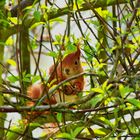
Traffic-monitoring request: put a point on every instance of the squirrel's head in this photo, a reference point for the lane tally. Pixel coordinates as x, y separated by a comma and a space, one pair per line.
71, 64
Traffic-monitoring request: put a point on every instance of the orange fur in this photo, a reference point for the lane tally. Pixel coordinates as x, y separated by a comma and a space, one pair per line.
68, 67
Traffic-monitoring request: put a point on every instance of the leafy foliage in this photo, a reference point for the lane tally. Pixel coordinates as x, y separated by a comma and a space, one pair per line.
37, 33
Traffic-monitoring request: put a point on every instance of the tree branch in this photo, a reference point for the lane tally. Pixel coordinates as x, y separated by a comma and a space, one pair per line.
51, 91
60, 12
55, 107
63, 11
129, 23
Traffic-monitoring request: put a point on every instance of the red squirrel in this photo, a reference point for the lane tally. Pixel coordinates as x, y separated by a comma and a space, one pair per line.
69, 66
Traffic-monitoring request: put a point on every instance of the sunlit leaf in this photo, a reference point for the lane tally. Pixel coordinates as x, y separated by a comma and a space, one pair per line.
65, 136
59, 117
9, 41
28, 8
102, 13
70, 48
37, 24
105, 121
43, 6
59, 20
37, 15
34, 44
13, 20
134, 102
76, 131
25, 79
124, 91
34, 124
45, 16
99, 132
35, 78
132, 47
89, 52
53, 54
109, 86
136, 39
11, 62
129, 107
77, 4
98, 90
96, 100
104, 86
95, 23
13, 79
14, 133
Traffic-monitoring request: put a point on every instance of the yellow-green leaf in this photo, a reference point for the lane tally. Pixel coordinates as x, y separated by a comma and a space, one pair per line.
13, 20
11, 62
134, 102
9, 41
98, 90
99, 132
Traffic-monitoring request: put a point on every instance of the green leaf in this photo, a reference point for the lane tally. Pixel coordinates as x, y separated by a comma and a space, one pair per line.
98, 90
124, 91
37, 24
108, 1
65, 136
37, 15
34, 44
11, 62
59, 117
88, 52
13, 78
58, 38
52, 54
2, 43
2, 3
102, 13
137, 138
13, 20
116, 114
99, 132
14, 133
26, 77
96, 99
104, 86
59, 20
9, 41
35, 78
70, 48
4, 23
134, 102
77, 131
105, 121
136, 39
95, 23
34, 125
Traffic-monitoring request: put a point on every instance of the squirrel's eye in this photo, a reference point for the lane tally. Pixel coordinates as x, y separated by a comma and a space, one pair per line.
76, 62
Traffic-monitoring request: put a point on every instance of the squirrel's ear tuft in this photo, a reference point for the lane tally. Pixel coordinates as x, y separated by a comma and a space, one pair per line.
78, 52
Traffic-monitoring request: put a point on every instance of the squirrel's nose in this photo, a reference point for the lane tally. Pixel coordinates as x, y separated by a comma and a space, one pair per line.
67, 71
